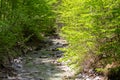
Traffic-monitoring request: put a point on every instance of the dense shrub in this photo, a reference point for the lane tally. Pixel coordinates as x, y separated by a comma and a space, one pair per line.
22, 21
91, 27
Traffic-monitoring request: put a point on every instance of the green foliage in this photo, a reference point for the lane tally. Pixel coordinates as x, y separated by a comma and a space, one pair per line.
100, 70
90, 27
22, 21
76, 31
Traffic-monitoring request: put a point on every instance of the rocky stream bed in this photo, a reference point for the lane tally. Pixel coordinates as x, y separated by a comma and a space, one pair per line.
42, 64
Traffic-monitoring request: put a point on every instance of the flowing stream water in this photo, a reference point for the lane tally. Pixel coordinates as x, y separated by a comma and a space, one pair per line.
43, 64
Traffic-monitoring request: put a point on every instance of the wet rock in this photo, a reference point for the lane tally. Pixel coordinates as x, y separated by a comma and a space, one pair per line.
38, 61
79, 76
2, 75
23, 71
19, 78
17, 63
97, 78
43, 56
35, 52
29, 58
39, 79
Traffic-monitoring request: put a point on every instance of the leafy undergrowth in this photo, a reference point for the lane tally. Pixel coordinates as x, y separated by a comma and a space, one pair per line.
23, 23
92, 31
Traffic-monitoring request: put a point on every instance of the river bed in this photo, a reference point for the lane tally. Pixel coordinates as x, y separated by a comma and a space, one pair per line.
42, 64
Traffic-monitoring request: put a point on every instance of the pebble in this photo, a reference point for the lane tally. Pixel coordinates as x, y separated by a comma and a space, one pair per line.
97, 78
